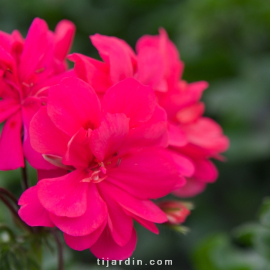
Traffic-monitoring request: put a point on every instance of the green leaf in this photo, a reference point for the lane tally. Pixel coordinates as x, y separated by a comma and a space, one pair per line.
217, 253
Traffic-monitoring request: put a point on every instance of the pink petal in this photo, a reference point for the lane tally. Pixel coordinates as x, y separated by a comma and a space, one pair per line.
110, 135
42, 174
91, 71
192, 188
64, 34
146, 224
144, 209
31, 211
5, 41
29, 109
151, 133
83, 242
119, 222
185, 165
171, 65
208, 134
78, 152
45, 137
73, 104
64, 196
151, 68
114, 51
182, 96
146, 174
135, 100
205, 170
11, 152
106, 248
95, 215
7, 108
177, 137
41, 89
191, 113
37, 44
7, 61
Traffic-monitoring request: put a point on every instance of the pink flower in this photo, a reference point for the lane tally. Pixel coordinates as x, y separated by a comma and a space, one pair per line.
114, 150
27, 68
193, 139
176, 211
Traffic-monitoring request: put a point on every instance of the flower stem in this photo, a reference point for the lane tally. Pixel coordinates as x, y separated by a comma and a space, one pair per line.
9, 206
25, 183
9, 195
60, 249
14, 212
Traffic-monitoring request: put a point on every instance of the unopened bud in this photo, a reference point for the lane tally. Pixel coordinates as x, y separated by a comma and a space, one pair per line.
176, 211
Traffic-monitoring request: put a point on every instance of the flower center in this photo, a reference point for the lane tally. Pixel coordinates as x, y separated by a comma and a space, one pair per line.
97, 173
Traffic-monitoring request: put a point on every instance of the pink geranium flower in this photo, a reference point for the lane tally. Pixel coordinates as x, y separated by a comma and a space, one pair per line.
114, 161
27, 68
193, 139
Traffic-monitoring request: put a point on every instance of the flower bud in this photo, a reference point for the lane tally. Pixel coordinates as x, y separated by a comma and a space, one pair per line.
176, 211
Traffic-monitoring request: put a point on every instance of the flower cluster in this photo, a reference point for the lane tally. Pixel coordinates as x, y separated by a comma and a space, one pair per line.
106, 137
192, 138
27, 69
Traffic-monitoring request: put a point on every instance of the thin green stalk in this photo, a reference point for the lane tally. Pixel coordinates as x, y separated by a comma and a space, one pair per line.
60, 249
25, 182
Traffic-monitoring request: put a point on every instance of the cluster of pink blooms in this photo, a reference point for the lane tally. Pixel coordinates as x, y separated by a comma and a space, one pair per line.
105, 137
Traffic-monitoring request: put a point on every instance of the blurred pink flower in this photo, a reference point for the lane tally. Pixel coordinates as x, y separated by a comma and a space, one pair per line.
193, 139
27, 68
115, 152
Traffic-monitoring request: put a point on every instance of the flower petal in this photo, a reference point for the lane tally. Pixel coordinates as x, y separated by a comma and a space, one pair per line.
91, 71
42, 174
31, 211
64, 196
151, 226
151, 69
95, 215
110, 135
119, 222
73, 104
144, 209
86, 241
11, 152
192, 188
135, 100
106, 248
206, 133
45, 137
36, 47
78, 152
29, 109
177, 137
151, 133
205, 170
147, 174
114, 51
191, 113
64, 34
185, 165
7, 108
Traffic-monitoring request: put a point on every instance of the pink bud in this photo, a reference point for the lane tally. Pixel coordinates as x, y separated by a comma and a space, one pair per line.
176, 211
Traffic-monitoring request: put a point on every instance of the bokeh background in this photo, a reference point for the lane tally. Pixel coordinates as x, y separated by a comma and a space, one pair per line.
225, 42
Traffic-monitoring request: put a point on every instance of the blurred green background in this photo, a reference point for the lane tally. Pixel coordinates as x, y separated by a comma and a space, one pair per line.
227, 43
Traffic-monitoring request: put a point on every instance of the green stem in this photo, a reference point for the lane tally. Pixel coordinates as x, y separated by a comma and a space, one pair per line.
60, 249
14, 212
9, 195
25, 183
